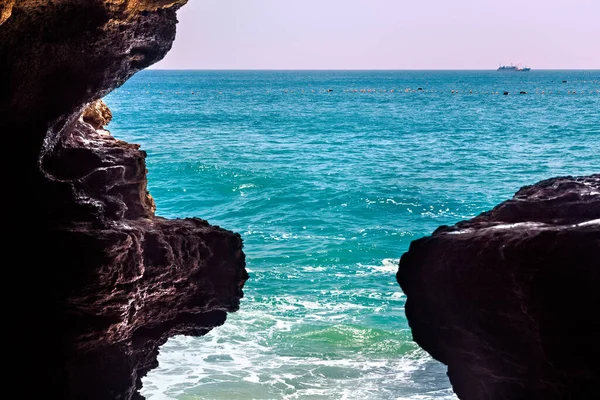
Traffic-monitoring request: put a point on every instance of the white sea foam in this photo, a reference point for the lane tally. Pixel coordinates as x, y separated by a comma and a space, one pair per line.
186, 367
256, 356
314, 269
388, 265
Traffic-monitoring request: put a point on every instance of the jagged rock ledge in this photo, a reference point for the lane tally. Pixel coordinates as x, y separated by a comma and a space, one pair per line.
509, 300
101, 282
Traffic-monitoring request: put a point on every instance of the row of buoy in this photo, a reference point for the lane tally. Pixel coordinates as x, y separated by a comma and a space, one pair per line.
594, 81
576, 81
419, 90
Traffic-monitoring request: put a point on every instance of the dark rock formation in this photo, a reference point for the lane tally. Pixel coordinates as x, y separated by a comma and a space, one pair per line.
509, 300
100, 282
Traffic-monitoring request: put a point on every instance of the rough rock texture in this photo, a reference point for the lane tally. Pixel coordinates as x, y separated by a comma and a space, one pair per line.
509, 300
101, 282
97, 114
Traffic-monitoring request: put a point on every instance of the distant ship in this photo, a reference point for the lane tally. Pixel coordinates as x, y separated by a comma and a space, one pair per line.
513, 68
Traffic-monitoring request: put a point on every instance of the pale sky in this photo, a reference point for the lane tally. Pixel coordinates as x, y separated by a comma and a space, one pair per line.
386, 34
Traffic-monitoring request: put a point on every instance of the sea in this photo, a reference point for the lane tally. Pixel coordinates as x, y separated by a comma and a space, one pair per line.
328, 176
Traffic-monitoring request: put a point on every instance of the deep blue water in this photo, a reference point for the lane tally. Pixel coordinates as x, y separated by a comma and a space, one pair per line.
328, 188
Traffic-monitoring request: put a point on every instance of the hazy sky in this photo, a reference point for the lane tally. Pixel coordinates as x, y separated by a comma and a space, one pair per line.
386, 34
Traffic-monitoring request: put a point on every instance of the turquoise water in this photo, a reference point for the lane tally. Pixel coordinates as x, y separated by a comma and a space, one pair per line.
328, 188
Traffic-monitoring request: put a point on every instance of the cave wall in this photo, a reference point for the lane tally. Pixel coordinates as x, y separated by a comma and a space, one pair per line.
509, 300
101, 281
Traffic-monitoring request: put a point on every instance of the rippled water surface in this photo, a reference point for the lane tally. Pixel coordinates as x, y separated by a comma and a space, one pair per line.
329, 176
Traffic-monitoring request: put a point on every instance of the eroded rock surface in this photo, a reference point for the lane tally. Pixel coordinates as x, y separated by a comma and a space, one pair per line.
102, 282
509, 300
97, 114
